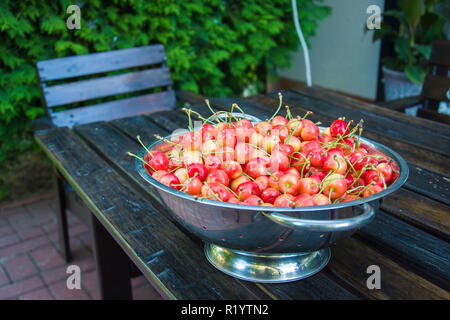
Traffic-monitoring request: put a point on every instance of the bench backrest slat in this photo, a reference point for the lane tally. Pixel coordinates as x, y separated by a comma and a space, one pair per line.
114, 109
84, 90
136, 84
94, 63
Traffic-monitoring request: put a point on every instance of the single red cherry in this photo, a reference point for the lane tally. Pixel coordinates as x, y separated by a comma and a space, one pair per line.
212, 162
310, 132
269, 195
339, 128
246, 189
171, 181
159, 161
257, 167
216, 191
197, 169
284, 200
289, 184
232, 168
253, 201
309, 186
304, 200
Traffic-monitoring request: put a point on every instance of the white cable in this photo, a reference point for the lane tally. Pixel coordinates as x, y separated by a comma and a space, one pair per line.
303, 43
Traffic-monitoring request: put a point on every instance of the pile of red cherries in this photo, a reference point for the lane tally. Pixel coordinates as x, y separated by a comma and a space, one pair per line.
284, 161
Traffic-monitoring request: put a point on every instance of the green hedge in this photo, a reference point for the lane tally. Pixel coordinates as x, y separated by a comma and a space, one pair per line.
214, 47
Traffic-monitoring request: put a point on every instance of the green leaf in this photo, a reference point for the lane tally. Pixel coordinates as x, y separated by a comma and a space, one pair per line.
402, 49
413, 10
425, 50
415, 73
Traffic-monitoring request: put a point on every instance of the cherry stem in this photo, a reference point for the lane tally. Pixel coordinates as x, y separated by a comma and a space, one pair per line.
212, 111
291, 202
239, 108
245, 174
157, 136
142, 144
280, 97
288, 113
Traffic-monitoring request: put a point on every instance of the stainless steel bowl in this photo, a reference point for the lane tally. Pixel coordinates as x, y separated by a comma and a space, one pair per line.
271, 244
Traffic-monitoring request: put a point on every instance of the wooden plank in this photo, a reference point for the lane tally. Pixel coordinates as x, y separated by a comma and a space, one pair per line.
139, 126
165, 120
163, 253
436, 87
190, 97
421, 180
115, 109
350, 260
401, 104
317, 287
82, 65
85, 90
413, 248
355, 104
433, 115
113, 145
427, 214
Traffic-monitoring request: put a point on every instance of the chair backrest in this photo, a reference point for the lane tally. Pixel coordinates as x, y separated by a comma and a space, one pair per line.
78, 82
437, 82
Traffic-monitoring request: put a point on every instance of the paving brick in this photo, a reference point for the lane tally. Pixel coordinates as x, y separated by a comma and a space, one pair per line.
4, 280
50, 225
31, 232
146, 292
42, 209
9, 240
47, 257
21, 218
20, 267
86, 239
61, 292
24, 246
18, 288
39, 294
89, 281
78, 229
54, 275
86, 265
77, 248
10, 212
5, 229
72, 220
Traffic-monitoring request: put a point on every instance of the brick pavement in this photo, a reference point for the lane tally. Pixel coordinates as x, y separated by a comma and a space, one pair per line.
32, 268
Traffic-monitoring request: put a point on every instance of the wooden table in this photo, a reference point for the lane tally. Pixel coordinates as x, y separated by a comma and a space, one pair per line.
408, 239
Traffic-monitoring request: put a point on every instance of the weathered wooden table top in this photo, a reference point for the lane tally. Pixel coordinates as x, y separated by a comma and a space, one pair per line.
408, 238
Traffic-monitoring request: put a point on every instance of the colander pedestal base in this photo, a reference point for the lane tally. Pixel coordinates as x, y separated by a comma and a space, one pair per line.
267, 267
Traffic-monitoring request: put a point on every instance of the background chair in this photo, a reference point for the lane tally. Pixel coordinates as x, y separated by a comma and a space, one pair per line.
100, 87
435, 88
